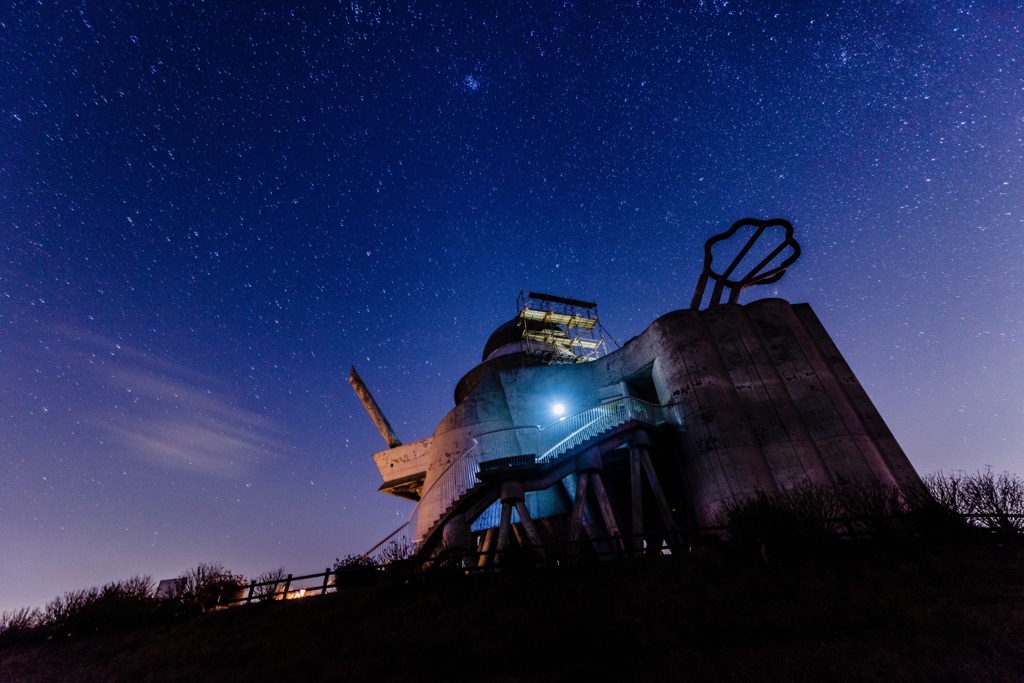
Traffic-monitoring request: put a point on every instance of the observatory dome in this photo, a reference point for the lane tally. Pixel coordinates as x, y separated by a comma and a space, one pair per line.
508, 339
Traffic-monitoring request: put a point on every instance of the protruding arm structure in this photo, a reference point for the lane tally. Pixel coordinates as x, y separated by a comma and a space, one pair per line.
373, 409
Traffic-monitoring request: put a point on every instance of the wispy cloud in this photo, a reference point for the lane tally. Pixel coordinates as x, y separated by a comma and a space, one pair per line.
170, 416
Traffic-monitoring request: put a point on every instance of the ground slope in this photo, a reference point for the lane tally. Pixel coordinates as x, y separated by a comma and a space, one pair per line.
907, 610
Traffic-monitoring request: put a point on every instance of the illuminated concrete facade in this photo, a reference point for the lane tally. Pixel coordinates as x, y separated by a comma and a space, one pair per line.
703, 408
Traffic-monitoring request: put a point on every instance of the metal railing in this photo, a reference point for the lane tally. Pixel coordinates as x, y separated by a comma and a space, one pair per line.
453, 483
581, 428
546, 443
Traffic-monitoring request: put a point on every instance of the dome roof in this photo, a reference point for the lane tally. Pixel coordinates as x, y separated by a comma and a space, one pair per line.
508, 339
507, 333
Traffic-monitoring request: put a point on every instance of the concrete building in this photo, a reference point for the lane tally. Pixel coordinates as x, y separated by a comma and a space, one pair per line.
550, 439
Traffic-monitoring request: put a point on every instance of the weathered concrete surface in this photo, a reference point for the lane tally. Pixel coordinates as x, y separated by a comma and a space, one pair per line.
895, 459
403, 465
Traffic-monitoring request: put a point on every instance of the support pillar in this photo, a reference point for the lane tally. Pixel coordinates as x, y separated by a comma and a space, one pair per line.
590, 465
607, 513
503, 529
636, 497
578, 506
512, 496
528, 526
486, 558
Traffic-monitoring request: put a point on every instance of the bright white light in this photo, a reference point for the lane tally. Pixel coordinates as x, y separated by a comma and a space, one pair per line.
558, 409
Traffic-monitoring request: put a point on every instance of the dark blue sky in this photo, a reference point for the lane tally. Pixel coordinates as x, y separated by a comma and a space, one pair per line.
208, 211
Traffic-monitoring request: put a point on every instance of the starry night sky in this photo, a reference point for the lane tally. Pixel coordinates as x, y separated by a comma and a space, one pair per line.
209, 211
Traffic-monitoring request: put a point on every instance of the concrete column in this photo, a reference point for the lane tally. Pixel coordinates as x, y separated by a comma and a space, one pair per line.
723, 460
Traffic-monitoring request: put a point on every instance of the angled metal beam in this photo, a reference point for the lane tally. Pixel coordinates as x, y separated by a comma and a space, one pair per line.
373, 409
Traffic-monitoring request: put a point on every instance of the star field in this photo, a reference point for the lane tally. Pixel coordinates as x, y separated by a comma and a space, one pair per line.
208, 213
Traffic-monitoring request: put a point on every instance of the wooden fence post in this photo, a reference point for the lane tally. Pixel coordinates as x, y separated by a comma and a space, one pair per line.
287, 585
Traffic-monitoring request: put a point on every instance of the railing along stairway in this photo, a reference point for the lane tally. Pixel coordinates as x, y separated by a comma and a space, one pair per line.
519, 447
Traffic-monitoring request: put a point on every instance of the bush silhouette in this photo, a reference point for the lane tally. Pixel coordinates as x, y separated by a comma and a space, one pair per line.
270, 585
115, 605
990, 501
205, 586
354, 570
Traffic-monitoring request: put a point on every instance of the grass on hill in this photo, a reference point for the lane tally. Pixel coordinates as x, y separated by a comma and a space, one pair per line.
910, 610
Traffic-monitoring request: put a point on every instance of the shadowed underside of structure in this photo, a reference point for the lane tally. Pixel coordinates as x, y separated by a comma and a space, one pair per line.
549, 441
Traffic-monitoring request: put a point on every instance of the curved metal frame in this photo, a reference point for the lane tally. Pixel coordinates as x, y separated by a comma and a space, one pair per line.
755, 276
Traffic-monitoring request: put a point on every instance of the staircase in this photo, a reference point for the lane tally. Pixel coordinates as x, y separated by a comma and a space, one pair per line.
579, 429
525, 446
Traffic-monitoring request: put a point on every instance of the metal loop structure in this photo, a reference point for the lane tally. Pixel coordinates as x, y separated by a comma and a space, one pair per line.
760, 274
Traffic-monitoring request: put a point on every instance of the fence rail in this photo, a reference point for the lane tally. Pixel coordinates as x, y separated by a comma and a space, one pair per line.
657, 542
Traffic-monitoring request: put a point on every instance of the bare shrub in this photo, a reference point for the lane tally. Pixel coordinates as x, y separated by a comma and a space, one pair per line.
872, 501
270, 585
804, 513
451, 559
875, 508
949, 491
117, 604
811, 513
59, 614
21, 619
206, 586
395, 550
20, 624
937, 507
354, 570
815, 508
759, 522
984, 499
995, 501
397, 559
354, 560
